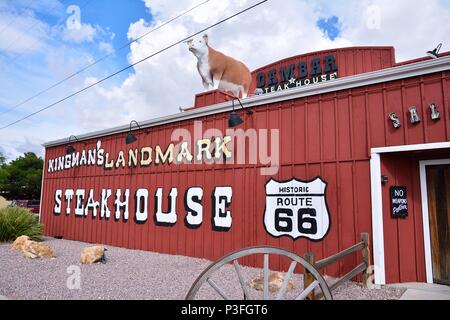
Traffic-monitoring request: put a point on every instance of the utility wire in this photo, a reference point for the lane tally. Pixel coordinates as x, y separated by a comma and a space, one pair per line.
132, 65
20, 55
8, 24
100, 59
28, 29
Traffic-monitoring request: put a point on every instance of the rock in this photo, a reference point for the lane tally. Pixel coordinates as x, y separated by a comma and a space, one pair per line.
91, 255
33, 250
19, 242
275, 282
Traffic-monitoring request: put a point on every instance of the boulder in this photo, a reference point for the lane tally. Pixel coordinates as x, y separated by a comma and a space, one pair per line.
19, 242
275, 282
33, 250
91, 255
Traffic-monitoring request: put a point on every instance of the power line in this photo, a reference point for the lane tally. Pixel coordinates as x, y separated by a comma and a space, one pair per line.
132, 65
20, 55
8, 24
28, 29
101, 59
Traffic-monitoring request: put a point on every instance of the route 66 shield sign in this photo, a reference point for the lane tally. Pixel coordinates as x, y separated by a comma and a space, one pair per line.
297, 209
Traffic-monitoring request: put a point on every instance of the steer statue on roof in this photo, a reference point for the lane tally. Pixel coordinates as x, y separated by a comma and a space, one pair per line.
218, 70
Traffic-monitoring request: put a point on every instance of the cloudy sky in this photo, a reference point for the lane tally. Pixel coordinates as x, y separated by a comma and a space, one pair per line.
42, 42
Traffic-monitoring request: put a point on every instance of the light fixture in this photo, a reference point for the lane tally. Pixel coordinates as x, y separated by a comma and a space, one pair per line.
259, 91
235, 119
384, 179
70, 149
435, 52
130, 138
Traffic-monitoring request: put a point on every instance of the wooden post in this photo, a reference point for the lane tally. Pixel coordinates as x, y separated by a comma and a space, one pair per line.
307, 277
366, 257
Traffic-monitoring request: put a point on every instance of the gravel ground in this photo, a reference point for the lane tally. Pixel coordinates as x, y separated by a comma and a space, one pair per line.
134, 274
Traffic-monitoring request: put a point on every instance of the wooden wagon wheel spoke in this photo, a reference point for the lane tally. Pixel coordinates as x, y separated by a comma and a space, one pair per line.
205, 276
237, 267
218, 289
266, 277
287, 277
307, 290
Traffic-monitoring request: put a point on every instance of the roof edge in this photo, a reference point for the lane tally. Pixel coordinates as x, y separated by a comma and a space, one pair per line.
359, 80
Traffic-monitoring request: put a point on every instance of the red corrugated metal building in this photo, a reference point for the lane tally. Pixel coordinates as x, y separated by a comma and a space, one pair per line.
374, 131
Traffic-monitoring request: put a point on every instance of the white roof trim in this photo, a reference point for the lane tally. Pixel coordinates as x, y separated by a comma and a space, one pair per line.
390, 74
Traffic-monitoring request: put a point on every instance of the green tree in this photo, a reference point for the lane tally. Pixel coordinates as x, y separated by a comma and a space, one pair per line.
21, 178
2, 159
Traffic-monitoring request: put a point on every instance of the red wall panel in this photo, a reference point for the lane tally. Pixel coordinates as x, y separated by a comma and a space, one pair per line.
328, 136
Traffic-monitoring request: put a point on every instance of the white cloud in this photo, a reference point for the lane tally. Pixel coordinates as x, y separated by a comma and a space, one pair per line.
83, 32
106, 47
272, 31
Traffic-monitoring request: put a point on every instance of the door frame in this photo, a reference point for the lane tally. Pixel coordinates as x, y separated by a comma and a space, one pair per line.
425, 215
377, 201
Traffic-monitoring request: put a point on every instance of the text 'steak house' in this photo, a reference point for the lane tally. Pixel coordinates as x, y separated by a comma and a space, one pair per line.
363, 146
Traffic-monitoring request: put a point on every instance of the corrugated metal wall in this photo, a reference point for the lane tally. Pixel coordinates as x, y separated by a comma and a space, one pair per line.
328, 135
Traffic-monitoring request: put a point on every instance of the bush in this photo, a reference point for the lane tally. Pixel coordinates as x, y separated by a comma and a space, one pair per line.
16, 221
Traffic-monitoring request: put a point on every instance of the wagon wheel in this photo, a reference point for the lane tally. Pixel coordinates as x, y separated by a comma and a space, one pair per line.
233, 257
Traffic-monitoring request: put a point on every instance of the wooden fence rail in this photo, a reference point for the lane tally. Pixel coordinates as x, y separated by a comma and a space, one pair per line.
361, 268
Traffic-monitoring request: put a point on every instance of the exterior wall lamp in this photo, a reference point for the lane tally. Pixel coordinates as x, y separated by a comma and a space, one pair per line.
70, 149
434, 53
130, 138
235, 119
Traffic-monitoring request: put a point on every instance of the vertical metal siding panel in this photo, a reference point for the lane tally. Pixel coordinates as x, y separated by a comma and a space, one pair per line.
350, 63
228, 178
299, 132
344, 152
367, 60
331, 240
185, 239
50, 199
315, 170
362, 196
412, 98
375, 56
121, 183
313, 142
286, 133
273, 123
346, 194
142, 228
359, 61
261, 237
407, 258
300, 246
255, 217
150, 181
359, 127
446, 104
433, 94
45, 191
390, 227
238, 212
50, 217
90, 216
109, 185
329, 130
132, 182
286, 173
394, 104
98, 224
341, 61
